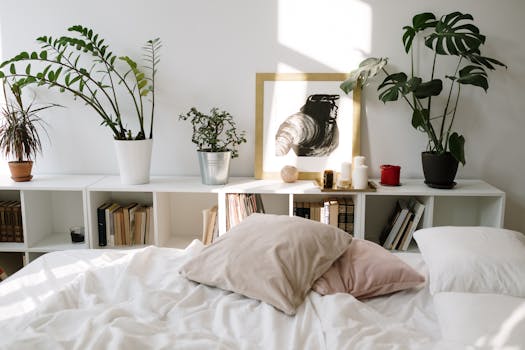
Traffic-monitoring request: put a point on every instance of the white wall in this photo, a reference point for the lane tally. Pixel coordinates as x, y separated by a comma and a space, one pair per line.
212, 50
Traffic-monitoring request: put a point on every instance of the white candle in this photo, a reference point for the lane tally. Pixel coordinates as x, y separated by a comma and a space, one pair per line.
346, 171
360, 177
359, 160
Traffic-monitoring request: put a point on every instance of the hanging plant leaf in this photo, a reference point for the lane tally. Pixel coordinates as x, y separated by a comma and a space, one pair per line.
367, 69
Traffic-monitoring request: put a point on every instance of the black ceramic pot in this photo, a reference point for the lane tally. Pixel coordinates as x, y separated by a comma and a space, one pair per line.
439, 169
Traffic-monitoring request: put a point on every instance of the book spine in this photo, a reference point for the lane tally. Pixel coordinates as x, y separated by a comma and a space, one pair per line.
17, 223
101, 222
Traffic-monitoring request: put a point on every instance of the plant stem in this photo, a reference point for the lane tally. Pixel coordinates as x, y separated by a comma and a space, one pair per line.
442, 128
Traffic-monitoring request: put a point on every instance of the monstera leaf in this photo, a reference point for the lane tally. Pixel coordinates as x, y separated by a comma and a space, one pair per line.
456, 144
420, 22
473, 75
367, 69
454, 34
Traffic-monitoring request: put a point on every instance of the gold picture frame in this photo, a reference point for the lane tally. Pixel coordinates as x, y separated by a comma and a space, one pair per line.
281, 92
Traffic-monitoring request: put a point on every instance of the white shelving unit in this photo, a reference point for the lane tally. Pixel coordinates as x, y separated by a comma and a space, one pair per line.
52, 204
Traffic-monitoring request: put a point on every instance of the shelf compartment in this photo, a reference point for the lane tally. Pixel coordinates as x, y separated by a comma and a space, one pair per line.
57, 241
179, 217
468, 211
98, 198
52, 213
379, 209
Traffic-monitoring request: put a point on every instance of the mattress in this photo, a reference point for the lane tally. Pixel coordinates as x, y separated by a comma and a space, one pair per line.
136, 299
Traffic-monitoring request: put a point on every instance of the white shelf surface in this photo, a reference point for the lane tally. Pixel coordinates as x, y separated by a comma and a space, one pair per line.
50, 182
156, 184
12, 247
57, 241
417, 187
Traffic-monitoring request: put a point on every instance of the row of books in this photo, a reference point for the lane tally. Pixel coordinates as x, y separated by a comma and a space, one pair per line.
402, 223
210, 227
124, 225
241, 205
338, 212
11, 222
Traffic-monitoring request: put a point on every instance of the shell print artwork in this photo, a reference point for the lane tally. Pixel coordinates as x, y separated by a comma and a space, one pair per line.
311, 132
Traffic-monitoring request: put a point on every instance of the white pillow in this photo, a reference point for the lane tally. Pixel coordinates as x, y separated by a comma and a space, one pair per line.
488, 321
474, 259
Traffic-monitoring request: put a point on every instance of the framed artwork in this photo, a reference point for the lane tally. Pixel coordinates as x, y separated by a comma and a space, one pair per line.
304, 120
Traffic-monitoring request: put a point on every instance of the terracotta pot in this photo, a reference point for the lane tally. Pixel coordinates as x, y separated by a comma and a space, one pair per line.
21, 171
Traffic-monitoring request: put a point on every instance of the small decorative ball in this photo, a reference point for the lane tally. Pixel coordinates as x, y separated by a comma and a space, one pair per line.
289, 173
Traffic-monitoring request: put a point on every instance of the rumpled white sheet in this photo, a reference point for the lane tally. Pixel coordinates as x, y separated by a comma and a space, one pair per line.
137, 300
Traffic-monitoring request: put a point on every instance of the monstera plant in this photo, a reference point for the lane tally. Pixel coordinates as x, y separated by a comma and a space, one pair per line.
454, 35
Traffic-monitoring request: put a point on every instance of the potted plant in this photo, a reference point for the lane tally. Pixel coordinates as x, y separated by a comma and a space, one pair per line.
84, 66
450, 35
19, 134
217, 140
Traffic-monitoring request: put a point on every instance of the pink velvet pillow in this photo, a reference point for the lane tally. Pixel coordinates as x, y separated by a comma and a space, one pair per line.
366, 270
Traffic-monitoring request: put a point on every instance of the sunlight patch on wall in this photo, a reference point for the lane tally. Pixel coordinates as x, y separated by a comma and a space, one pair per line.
336, 33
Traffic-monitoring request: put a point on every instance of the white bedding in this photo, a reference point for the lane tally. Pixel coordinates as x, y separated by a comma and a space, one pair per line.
135, 299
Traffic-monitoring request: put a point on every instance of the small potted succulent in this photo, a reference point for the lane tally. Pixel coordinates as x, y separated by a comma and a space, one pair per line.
452, 35
217, 140
19, 132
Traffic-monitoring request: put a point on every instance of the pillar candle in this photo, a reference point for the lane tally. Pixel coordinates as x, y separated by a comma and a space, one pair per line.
346, 171
360, 177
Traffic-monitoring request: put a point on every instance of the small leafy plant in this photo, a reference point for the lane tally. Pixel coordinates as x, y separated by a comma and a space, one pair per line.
84, 66
214, 132
19, 134
453, 35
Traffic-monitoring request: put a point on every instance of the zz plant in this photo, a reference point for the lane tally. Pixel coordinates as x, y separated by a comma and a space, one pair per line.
214, 132
450, 35
82, 64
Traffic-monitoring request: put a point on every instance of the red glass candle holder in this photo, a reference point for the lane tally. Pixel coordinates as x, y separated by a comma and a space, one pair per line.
390, 175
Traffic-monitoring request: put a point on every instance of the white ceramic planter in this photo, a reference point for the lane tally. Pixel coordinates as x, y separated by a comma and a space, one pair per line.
134, 160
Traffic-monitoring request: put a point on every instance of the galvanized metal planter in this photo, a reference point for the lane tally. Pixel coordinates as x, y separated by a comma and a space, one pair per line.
215, 167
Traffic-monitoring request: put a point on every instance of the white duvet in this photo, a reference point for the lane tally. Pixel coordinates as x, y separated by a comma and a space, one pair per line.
108, 299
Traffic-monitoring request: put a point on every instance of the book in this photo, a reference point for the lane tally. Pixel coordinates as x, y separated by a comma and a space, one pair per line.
118, 222
417, 208
101, 224
209, 223
139, 224
110, 224
3, 223
345, 220
333, 212
402, 230
126, 221
150, 234
17, 223
393, 228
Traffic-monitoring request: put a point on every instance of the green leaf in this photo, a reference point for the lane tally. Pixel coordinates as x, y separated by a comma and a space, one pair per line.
455, 35
473, 75
28, 69
393, 85
420, 119
420, 22
456, 144
43, 55
12, 68
367, 68
429, 88
142, 83
2, 75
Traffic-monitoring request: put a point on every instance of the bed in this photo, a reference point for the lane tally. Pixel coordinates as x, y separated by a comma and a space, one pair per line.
137, 299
